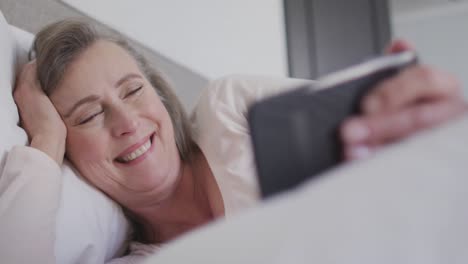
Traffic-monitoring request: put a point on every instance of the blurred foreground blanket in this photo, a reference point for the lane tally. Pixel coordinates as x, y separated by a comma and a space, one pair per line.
407, 204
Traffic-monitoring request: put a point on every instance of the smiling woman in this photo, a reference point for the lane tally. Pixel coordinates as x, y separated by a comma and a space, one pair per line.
126, 131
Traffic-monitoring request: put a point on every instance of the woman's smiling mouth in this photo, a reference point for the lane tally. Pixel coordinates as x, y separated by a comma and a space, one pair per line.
132, 155
137, 153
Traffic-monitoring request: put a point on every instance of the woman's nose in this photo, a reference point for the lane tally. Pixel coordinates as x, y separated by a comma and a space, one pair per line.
124, 122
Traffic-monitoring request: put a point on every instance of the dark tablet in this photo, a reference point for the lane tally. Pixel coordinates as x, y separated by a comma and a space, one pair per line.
294, 134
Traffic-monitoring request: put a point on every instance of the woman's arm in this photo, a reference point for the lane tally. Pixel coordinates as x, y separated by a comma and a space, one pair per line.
30, 187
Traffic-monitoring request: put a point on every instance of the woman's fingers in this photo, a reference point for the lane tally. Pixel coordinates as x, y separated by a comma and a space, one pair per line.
358, 151
419, 97
414, 85
387, 127
399, 45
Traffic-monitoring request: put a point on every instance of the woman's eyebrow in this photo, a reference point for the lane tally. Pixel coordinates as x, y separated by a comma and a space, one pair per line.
86, 100
126, 77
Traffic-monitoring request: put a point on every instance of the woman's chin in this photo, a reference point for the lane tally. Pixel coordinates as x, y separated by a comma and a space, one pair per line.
150, 181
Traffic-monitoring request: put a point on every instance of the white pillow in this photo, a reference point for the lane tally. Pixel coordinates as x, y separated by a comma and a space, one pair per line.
11, 134
91, 228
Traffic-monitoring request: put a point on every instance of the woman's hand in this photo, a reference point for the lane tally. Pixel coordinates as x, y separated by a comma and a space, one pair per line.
40, 119
419, 97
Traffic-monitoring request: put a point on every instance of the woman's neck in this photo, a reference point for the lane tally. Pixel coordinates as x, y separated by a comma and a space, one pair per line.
195, 201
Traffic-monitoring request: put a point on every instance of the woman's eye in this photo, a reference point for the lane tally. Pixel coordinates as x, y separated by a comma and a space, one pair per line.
134, 91
89, 118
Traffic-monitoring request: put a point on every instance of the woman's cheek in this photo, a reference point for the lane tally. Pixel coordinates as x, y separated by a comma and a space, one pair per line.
85, 147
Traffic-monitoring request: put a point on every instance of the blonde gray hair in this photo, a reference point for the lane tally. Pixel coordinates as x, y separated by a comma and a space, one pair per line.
59, 44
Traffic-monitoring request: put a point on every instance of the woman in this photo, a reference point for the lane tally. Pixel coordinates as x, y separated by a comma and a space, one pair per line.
97, 102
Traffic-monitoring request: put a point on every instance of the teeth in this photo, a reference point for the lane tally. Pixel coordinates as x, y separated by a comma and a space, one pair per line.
137, 153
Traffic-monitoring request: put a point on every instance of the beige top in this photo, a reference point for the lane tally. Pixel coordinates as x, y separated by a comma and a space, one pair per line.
220, 121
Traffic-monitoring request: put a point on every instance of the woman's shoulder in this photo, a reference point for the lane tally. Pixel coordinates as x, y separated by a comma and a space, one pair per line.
243, 90
226, 101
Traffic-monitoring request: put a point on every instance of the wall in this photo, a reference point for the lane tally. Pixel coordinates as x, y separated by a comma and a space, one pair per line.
438, 29
211, 37
32, 15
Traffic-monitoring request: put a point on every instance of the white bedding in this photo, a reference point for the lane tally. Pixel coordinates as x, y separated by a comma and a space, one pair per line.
408, 204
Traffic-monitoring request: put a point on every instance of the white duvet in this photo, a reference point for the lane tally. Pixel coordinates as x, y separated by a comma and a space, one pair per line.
407, 204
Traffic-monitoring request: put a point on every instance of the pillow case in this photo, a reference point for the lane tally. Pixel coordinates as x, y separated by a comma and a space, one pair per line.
11, 134
90, 228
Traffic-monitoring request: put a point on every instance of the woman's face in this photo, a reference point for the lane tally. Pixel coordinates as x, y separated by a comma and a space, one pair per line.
119, 134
